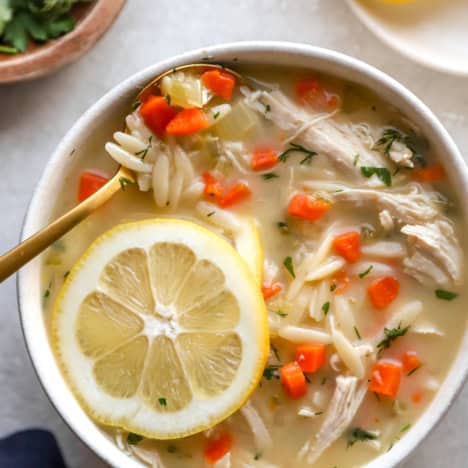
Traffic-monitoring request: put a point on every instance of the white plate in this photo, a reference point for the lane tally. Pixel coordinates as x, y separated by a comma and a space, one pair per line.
431, 32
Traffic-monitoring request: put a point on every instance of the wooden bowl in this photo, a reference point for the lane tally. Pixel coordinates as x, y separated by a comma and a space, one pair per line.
92, 21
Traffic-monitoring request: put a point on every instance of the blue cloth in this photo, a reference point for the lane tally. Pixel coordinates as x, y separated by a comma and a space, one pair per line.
33, 448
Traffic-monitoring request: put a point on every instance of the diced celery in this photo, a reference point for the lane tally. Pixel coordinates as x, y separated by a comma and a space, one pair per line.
237, 123
183, 90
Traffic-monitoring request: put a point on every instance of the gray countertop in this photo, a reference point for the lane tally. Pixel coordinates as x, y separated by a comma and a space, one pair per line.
35, 115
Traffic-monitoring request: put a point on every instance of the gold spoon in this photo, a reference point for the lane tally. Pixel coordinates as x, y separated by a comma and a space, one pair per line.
17, 257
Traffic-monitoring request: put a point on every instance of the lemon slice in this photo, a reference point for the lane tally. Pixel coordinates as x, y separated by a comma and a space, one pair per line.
160, 329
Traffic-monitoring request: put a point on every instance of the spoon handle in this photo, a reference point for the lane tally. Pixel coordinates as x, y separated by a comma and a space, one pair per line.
17, 257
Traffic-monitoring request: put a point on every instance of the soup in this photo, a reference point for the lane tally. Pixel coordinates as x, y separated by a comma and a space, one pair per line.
360, 238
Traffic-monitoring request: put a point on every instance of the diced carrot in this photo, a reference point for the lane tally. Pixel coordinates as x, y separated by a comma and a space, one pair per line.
310, 357
157, 113
235, 194
220, 82
417, 396
217, 448
308, 208
385, 378
310, 91
89, 183
263, 158
269, 290
213, 188
348, 245
293, 380
410, 361
383, 291
187, 121
429, 174
340, 282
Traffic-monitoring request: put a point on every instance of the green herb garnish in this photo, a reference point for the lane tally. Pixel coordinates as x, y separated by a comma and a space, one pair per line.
364, 273
66, 273
333, 287
389, 136
275, 352
124, 182
391, 334
360, 435
326, 307
445, 295
134, 439
323, 381
167, 97
283, 226
288, 263
405, 428
162, 401
357, 332
135, 105
356, 159
281, 313
216, 115
8, 50
144, 151
270, 175
283, 157
412, 371
211, 213
258, 455
381, 172
271, 372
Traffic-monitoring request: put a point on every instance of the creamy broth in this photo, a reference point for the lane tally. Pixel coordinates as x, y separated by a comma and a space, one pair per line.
336, 303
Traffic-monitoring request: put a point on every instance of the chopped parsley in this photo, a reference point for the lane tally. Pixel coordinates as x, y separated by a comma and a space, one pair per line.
258, 455
323, 381
360, 435
144, 151
357, 332
271, 372
275, 352
216, 115
356, 159
283, 226
412, 371
405, 428
47, 293
270, 175
281, 313
381, 172
124, 182
211, 213
333, 287
8, 50
136, 105
134, 439
288, 264
364, 273
391, 334
309, 154
389, 136
162, 401
445, 295
326, 307
66, 273
168, 99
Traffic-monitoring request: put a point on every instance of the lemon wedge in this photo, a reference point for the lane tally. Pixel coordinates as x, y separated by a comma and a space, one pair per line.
160, 329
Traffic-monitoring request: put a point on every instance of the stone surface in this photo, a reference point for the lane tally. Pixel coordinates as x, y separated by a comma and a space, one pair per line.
35, 115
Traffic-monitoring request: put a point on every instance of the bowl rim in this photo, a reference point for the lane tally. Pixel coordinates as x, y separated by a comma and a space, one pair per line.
28, 289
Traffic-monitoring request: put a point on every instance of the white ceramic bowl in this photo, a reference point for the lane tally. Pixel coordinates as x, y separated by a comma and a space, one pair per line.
98, 123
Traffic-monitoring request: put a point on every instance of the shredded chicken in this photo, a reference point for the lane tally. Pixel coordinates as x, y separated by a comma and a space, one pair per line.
332, 137
401, 155
343, 406
435, 254
411, 206
260, 432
